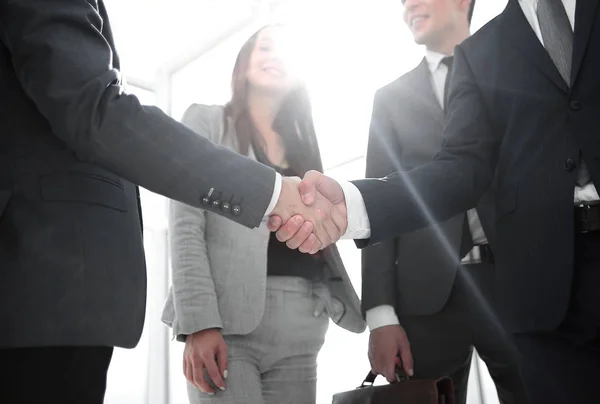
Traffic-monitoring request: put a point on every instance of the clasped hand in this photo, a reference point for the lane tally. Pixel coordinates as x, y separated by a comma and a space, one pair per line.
310, 213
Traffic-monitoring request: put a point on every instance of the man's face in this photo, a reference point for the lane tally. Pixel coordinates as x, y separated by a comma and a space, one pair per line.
432, 20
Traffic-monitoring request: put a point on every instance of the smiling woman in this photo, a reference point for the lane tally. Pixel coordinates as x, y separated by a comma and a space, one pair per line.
252, 312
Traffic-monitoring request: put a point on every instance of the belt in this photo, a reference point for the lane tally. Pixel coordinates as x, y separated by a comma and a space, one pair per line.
479, 254
587, 217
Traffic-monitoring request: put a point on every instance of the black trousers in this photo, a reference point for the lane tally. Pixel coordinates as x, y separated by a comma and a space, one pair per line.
66, 375
442, 343
563, 366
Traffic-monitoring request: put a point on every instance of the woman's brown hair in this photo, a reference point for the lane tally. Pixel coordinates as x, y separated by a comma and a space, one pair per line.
293, 123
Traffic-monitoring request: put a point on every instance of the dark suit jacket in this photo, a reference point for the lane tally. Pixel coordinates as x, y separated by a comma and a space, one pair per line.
513, 119
415, 272
72, 146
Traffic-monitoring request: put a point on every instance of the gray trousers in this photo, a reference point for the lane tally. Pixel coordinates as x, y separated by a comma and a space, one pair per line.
277, 362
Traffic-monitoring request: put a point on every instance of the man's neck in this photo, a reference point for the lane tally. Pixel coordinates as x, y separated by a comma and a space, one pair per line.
446, 47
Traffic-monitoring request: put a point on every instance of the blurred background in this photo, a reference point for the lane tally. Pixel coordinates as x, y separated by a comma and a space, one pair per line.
176, 52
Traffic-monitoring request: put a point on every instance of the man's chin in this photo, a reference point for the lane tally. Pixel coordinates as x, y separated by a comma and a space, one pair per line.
420, 38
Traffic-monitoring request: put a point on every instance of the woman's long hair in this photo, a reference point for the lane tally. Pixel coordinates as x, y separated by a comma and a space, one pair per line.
293, 122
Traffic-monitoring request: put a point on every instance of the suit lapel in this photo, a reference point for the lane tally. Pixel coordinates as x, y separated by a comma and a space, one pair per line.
585, 15
421, 89
516, 27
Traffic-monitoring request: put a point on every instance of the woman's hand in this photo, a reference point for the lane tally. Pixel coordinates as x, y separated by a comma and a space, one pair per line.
205, 349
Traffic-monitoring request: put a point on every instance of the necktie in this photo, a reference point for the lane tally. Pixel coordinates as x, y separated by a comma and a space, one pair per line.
558, 41
448, 60
557, 35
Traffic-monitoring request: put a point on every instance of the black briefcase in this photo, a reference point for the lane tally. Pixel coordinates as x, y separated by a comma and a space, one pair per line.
403, 391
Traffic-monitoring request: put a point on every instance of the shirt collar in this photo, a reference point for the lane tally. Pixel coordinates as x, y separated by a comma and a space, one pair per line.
434, 59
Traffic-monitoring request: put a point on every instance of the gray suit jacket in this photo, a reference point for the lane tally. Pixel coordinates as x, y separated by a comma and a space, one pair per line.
219, 267
73, 147
415, 272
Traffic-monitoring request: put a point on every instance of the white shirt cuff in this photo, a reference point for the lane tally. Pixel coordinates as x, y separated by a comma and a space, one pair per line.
359, 226
586, 193
275, 197
381, 316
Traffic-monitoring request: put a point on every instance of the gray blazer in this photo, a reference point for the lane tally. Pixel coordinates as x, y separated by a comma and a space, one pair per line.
219, 267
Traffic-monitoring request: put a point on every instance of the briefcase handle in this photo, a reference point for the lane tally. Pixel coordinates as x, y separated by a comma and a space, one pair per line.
370, 379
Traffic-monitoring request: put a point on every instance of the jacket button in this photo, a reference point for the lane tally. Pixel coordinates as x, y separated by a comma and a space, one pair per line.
225, 207
575, 105
569, 164
215, 204
206, 200
236, 210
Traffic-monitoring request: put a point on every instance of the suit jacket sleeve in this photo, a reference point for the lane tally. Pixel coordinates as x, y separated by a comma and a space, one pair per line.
63, 55
453, 182
194, 296
379, 261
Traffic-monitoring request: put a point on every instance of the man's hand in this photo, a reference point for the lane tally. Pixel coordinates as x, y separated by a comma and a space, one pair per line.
385, 344
205, 350
315, 183
325, 196
307, 226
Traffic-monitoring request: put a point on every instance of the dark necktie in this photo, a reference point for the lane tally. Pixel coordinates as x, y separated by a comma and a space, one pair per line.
448, 60
557, 35
558, 41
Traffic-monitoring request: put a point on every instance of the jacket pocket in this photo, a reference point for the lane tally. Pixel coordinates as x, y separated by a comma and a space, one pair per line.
84, 188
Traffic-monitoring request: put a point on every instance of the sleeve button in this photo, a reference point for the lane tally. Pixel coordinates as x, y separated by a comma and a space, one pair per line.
225, 207
569, 164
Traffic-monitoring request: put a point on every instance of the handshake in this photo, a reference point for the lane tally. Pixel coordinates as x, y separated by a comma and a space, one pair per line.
310, 213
